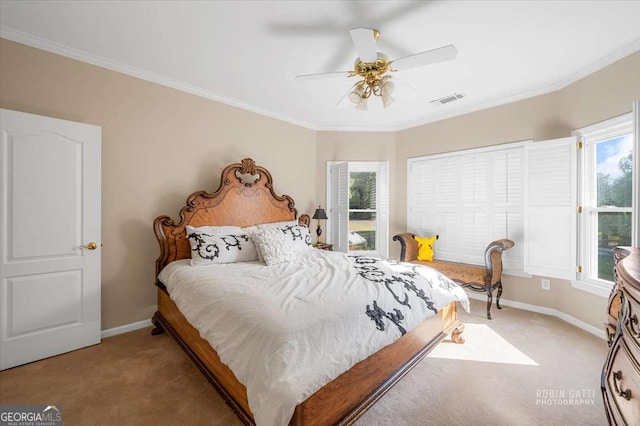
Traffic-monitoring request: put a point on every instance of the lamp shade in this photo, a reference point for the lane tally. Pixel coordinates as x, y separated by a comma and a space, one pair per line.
320, 214
356, 95
362, 105
387, 100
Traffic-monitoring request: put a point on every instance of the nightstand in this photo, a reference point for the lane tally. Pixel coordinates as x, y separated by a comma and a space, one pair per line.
323, 246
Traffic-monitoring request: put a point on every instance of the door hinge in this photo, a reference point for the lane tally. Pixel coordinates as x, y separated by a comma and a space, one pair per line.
579, 209
578, 268
579, 145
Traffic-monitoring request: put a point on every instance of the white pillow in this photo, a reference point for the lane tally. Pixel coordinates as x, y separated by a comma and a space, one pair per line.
251, 230
274, 245
208, 249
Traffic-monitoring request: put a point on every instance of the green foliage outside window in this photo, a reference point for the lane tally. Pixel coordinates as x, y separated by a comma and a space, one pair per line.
362, 224
362, 190
614, 228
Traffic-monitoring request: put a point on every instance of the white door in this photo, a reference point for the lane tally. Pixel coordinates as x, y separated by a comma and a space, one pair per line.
49, 210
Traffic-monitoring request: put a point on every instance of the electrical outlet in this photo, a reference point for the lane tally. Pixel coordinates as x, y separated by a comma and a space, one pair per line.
546, 284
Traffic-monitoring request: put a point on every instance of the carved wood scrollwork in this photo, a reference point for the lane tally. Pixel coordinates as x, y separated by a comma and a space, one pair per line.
248, 175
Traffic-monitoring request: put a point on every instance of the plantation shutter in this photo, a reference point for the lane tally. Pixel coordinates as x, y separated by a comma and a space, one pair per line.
551, 208
447, 199
507, 206
339, 213
469, 200
421, 196
475, 210
433, 203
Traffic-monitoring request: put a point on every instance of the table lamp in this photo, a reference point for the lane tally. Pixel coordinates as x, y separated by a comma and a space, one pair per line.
319, 214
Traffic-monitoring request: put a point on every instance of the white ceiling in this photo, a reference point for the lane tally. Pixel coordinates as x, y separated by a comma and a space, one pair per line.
248, 53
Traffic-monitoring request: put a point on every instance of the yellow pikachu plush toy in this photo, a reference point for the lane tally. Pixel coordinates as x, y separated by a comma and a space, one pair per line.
425, 247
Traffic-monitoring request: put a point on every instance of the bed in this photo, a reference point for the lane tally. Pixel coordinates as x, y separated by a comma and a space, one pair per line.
245, 198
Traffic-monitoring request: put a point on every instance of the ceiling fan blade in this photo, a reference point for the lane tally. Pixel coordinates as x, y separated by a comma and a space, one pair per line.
434, 56
365, 42
322, 76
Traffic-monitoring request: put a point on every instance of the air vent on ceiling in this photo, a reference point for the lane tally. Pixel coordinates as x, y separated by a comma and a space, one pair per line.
447, 99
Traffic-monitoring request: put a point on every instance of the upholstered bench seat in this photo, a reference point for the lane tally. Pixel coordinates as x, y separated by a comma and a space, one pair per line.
474, 277
461, 271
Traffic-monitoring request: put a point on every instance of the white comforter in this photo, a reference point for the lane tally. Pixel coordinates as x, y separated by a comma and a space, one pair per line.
286, 330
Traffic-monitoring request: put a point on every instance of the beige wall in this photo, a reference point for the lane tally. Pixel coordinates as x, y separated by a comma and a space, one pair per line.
600, 96
158, 146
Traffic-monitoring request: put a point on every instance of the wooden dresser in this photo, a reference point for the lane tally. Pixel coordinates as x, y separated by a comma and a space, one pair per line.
620, 379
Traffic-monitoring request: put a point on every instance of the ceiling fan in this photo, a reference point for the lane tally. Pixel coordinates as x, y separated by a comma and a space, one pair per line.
375, 67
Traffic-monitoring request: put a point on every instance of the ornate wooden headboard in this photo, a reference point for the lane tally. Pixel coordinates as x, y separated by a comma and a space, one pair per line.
245, 197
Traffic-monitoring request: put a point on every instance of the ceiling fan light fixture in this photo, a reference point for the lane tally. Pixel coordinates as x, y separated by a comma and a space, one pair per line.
356, 95
373, 68
387, 88
362, 105
387, 100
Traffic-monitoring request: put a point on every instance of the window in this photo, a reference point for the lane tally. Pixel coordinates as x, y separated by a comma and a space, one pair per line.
363, 210
358, 207
565, 202
606, 198
469, 199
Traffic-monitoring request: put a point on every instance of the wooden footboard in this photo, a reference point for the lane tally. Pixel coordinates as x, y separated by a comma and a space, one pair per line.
342, 400
347, 397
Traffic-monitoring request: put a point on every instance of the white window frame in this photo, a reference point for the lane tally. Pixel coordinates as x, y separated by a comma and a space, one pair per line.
591, 136
381, 168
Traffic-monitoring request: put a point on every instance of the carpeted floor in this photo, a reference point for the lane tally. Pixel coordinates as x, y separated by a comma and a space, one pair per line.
521, 368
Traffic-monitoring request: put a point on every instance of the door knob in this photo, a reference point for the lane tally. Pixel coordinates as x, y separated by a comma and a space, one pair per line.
90, 246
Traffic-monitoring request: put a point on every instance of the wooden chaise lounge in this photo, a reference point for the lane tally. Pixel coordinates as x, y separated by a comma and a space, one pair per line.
478, 278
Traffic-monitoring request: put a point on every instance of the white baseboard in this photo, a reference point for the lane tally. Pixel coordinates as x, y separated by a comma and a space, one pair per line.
546, 311
125, 328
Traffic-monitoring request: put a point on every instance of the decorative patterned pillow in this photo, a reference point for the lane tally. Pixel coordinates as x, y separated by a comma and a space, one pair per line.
208, 249
299, 236
425, 247
274, 245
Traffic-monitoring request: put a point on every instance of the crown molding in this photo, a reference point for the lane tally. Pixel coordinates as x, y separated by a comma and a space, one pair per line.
80, 55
